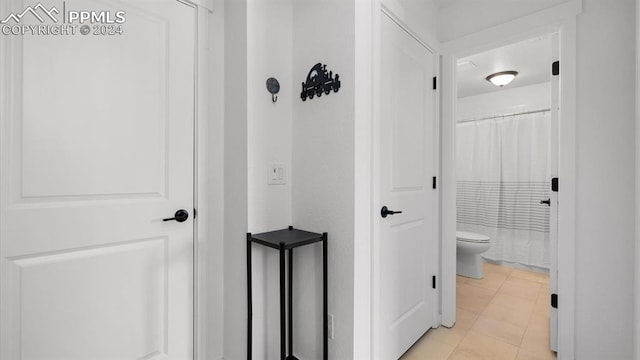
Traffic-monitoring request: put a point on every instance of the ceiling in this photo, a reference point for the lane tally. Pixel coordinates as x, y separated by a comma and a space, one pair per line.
531, 59
443, 4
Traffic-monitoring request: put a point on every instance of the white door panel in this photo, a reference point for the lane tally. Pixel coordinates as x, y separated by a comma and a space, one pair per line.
97, 150
115, 100
75, 303
408, 245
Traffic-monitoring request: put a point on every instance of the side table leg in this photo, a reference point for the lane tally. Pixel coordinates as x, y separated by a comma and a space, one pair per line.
324, 298
249, 299
290, 305
283, 324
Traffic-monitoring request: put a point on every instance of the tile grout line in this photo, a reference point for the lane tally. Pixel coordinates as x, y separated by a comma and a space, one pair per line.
491, 295
495, 292
494, 295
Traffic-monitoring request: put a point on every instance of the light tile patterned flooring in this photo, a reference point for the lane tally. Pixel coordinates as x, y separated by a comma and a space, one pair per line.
504, 316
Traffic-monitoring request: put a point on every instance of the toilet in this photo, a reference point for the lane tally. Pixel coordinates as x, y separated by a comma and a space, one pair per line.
470, 246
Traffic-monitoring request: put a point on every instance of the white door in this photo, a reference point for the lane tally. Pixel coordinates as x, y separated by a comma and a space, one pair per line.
96, 149
553, 213
408, 247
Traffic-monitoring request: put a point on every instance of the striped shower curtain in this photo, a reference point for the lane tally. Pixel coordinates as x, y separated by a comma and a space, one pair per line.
502, 174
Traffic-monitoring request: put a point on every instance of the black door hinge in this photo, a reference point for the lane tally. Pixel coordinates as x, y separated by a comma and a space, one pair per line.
195, 213
554, 301
555, 68
554, 184
434, 182
433, 282
434, 83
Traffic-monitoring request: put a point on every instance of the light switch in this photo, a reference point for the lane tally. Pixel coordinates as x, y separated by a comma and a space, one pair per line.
276, 175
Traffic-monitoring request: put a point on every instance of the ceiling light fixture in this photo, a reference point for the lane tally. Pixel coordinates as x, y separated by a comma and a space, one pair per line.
502, 78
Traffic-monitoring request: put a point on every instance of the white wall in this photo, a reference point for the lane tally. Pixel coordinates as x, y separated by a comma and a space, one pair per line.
323, 174
269, 51
637, 208
365, 21
211, 185
235, 180
506, 101
605, 180
269, 54
637, 237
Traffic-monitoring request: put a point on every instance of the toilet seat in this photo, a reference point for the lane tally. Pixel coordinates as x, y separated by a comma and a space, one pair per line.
471, 237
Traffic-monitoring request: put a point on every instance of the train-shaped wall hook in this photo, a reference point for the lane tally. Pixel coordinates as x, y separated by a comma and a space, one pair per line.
319, 81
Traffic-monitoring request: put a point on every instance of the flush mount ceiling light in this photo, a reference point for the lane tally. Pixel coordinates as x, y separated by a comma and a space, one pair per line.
502, 78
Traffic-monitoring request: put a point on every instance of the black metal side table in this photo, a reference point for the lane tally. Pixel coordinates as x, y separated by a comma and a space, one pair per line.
284, 240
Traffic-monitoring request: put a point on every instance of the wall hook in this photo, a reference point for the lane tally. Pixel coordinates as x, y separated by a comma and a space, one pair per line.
273, 86
319, 81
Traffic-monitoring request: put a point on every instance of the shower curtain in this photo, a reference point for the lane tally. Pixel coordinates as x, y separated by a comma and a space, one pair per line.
503, 172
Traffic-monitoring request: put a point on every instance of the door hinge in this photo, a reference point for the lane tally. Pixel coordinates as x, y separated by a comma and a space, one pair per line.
433, 182
554, 301
195, 213
433, 281
555, 68
435, 83
554, 184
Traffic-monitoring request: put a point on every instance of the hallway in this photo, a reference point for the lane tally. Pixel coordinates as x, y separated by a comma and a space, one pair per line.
504, 316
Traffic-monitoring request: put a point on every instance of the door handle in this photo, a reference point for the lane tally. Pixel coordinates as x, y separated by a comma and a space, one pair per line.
386, 212
180, 216
547, 202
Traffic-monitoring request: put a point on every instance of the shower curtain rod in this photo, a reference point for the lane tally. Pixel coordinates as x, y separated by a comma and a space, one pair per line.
504, 115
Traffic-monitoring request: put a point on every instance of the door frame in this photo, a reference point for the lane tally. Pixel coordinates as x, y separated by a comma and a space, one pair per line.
560, 19
380, 10
208, 122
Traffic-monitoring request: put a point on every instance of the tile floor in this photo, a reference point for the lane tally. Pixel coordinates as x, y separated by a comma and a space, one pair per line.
503, 316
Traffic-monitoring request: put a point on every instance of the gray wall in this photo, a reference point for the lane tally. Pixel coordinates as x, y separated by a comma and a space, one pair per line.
605, 180
323, 171
235, 180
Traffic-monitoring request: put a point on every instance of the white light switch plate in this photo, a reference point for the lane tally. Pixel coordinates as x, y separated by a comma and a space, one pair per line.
277, 174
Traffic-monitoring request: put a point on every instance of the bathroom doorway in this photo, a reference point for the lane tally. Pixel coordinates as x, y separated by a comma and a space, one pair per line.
506, 155
506, 213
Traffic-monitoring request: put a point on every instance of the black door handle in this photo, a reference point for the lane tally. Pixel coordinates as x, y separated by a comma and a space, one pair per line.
180, 216
385, 212
547, 202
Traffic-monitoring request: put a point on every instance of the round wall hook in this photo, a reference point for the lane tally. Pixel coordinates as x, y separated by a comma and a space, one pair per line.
273, 86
